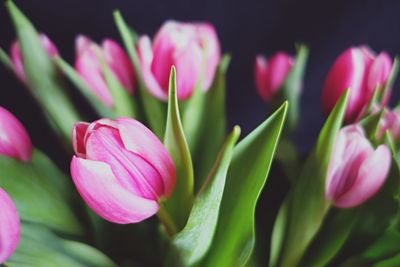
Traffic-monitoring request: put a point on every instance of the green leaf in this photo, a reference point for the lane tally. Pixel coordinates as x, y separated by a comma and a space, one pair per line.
4, 58
204, 123
234, 238
40, 192
180, 203
83, 88
194, 240
305, 203
154, 110
39, 247
371, 125
42, 76
392, 78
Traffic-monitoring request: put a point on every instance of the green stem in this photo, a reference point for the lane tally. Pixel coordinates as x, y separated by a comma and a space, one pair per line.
166, 220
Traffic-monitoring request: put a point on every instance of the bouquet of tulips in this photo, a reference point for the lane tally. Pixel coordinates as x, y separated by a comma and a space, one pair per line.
156, 179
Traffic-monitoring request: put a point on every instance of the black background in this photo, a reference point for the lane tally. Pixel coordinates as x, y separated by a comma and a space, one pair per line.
245, 28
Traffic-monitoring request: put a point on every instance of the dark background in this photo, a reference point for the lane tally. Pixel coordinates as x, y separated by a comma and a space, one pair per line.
245, 28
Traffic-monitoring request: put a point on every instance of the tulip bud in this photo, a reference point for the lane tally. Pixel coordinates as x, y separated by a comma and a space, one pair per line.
14, 140
9, 227
356, 171
390, 122
194, 50
270, 76
121, 169
89, 67
16, 55
359, 70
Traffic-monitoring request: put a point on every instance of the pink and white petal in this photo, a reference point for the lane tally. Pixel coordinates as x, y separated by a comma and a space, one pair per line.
78, 138
120, 64
145, 54
82, 43
48, 45
371, 176
140, 140
379, 71
9, 227
16, 59
104, 195
260, 77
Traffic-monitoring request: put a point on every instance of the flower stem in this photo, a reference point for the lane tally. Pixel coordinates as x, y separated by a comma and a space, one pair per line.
166, 220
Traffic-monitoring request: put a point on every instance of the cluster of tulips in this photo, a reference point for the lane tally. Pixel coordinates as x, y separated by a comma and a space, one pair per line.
158, 146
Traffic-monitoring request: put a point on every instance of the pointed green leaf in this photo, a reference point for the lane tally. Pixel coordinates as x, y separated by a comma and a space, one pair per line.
180, 203
194, 240
392, 78
4, 58
234, 238
39, 247
154, 110
39, 192
83, 88
204, 123
42, 76
305, 203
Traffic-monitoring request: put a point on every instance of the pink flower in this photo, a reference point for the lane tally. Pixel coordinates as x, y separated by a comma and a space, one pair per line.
356, 171
14, 140
390, 122
9, 227
269, 76
121, 169
360, 70
193, 48
17, 59
89, 67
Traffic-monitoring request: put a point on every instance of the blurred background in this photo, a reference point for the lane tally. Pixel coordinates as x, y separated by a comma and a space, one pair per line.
245, 28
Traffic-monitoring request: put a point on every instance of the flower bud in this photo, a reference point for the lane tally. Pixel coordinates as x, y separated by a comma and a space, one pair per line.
390, 122
356, 171
121, 169
270, 76
359, 70
9, 227
14, 140
89, 67
16, 55
193, 48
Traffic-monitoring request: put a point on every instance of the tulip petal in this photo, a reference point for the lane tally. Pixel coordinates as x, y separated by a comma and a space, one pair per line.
14, 140
150, 148
103, 193
145, 53
82, 43
260, 77
16, 58
371, 176
119, 64
9, 227
78, 138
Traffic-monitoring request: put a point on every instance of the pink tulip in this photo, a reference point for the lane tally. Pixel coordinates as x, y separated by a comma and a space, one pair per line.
14, 140
121, 169
9, 227
390, 122
89, 67
269, 76
16, 55
193, 48
356, 171
359, 70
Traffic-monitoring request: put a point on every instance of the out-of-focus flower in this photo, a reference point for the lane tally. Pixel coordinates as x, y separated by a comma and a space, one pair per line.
356, 171
361, 71
121, 169
14, 140
17, 58
390, 122
88, 65
9, 227
193, 48
270, 75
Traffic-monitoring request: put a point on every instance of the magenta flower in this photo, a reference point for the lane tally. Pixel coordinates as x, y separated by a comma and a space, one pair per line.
390, 122
16, 55
121, 169
193, 48
270, 75
14, 140
360, 70
356, 170
9, 227
89, 67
